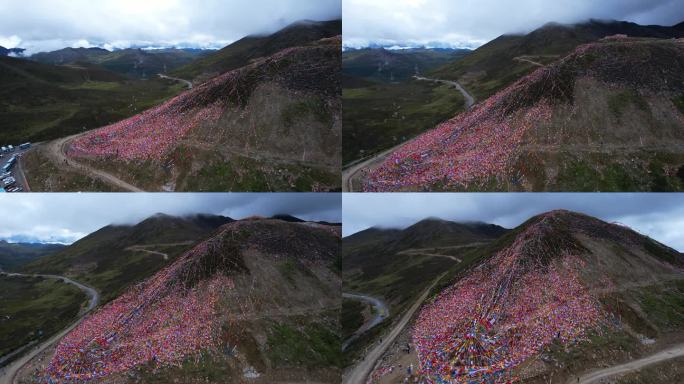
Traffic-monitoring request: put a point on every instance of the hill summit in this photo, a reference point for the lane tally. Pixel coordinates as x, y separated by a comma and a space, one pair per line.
205, 301
547, 282
606, 117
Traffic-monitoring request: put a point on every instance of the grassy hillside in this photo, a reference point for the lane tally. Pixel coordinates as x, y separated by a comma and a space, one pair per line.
132, 62
494, 66
105, 260
379, 116
33, 309
41, 102
397, 265
384, 106
249, 48
14, 255
378, 64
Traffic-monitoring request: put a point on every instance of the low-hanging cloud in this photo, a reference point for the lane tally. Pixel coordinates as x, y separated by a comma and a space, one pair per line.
43, 25
659, 216
67, 217
470, 23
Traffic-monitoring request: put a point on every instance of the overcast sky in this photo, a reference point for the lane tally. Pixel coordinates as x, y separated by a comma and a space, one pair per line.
67, 217
658, 215
44, 25
471, 23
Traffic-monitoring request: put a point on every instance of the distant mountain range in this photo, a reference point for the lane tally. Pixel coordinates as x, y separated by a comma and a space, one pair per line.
15, 255
385, 65
133, 62
11, 51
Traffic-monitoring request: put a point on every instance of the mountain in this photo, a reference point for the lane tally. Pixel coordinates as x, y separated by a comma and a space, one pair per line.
384, 65
257, 299
561, 294
498, 63
14, 255
606, 117
41, 102
273, 124
11, 51
115, 256
250, 48
133, 62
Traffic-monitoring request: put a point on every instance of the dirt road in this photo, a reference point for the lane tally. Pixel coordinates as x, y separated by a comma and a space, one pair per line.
8, 373
143, 248
596, 376
359, 373
56, 150
470, 100
350, 174
526, 60
188, 83
381, 310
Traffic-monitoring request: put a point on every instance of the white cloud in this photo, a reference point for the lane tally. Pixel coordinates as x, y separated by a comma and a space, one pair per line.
67, 217
472, 22
660, 216
43, 25
10, 41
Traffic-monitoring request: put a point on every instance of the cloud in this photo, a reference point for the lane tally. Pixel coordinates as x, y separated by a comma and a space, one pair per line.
660, 216
466, 23
52, 24
67, 217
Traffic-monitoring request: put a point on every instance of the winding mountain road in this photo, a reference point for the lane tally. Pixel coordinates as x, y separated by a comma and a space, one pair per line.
8, 373
470, 100
350, 174
381, 310
359, 373
188, 83
165, 256
596, 376
56, 150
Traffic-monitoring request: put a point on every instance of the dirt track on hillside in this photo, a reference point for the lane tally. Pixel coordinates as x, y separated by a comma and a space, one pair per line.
56, 151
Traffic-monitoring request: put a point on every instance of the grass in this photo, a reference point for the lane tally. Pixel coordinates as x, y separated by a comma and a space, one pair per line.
383, 115
670, 371
601, 345
664, 305
43, 176
351, 317
43, 102
244, 174
301, 109
604, 172
310, 345
37, 308
619, 102
679, 103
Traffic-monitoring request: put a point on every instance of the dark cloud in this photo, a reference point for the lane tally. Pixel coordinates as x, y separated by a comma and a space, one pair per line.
660, 216
40, 25
66, 217
469, 23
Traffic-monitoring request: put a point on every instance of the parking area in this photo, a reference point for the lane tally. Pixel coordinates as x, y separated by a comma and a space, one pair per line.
11, 176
